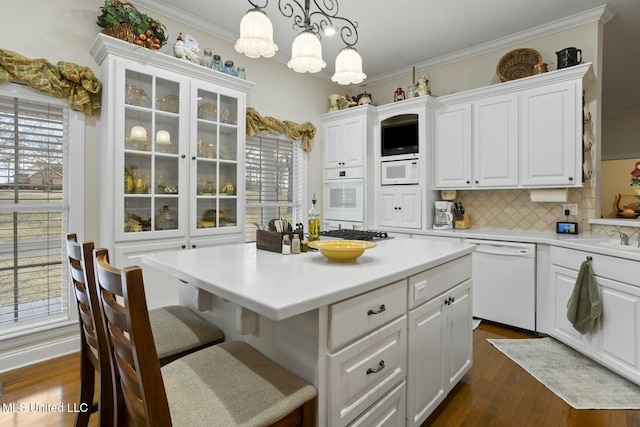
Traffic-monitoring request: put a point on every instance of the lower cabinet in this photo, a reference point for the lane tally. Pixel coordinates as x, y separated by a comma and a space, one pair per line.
614, 340
395, 353
399, 206
440, 350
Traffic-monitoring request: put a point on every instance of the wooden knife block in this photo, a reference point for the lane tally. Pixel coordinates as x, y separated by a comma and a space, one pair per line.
464, 223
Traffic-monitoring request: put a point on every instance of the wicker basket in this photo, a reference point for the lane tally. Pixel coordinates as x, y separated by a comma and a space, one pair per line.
122, 32
518, 64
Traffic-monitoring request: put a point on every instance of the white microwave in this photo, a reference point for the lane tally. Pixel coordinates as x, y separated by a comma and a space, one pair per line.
395, 172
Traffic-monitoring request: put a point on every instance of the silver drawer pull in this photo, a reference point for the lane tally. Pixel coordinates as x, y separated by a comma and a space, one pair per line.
376, 370
378, 311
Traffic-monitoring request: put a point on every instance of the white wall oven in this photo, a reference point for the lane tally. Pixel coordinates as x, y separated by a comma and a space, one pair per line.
344, 195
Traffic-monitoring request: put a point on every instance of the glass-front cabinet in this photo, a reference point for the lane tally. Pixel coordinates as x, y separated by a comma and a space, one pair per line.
171, 164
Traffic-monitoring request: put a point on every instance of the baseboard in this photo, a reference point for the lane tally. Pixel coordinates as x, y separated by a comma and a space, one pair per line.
39, 352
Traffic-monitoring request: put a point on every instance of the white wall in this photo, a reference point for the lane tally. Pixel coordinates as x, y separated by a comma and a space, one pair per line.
64, 31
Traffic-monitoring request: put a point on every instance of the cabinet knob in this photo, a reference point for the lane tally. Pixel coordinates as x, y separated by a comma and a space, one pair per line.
468, 182
477, 181
399, 208
193, 246
183, 156
447, 302
451, 299
193, 157
377, 369
570, 178
184, 246
378, 311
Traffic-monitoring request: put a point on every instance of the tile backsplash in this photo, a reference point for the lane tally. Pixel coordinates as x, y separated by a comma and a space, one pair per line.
513, 209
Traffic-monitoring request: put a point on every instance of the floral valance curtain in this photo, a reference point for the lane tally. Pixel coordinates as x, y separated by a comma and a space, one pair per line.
65, 80
258, 125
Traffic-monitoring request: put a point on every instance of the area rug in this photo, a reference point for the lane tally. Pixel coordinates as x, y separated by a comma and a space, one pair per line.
578, 380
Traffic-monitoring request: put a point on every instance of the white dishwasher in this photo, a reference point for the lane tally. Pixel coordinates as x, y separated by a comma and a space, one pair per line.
504, 283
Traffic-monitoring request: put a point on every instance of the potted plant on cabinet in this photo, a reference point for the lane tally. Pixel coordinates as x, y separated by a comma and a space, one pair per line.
120, 19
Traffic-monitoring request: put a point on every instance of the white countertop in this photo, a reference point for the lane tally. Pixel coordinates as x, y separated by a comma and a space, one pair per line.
584, 242
280, 286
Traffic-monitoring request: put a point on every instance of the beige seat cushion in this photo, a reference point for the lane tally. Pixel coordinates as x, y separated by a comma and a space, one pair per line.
231, 384
177, 329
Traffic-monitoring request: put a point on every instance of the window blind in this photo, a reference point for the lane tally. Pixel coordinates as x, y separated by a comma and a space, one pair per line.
33, 211
273, 181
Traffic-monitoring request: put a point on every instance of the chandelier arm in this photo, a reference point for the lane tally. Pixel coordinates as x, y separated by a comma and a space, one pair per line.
329, 9
255, 5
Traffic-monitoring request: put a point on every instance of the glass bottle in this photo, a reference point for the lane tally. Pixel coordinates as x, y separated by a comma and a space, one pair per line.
286, 245
207, 58
228, 68
314, 221
241, 73
217, 63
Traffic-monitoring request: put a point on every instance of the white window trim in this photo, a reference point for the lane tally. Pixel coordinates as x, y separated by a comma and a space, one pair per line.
45, 342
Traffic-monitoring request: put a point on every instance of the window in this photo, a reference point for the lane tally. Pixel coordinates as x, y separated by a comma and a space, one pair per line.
37, 133
273, 180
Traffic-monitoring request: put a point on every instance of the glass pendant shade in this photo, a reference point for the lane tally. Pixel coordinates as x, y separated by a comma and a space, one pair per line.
348, 67
306, 54
256, 35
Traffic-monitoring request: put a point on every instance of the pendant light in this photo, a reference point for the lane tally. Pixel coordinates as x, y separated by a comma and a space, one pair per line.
348, 67
306, 53
256, 35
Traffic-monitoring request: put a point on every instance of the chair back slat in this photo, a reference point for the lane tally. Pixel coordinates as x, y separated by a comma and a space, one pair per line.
134, 352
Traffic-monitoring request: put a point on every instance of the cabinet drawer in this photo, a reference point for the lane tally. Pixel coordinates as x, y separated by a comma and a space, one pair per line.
363, 372
356, 316
619, 269
388, 412
427, 284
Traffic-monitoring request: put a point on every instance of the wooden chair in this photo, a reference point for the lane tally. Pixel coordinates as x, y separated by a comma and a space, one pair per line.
230, 384
177, 331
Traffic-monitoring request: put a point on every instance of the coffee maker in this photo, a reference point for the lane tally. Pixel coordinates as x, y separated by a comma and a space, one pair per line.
443, 219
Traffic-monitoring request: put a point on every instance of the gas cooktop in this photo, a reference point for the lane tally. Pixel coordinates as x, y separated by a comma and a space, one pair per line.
356, 234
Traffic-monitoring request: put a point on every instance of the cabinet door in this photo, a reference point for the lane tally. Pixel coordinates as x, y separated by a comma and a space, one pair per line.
459, 333
386, 207
617, 341
452, 148
353, 142
425, 376
495, 142
149, 130
387, 412
332, 145
216, 161
410, 207
551, 135
561, 286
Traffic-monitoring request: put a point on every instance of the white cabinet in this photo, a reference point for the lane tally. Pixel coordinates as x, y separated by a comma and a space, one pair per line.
399, 206
550, 135
614, 340
440, 337
525, 133
172, 151
345, 136
495, 141
452, 146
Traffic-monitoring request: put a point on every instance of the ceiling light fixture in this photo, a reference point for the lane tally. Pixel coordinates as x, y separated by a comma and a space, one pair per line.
256, 38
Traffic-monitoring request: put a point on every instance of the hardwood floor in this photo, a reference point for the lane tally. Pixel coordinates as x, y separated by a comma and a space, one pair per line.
495, 393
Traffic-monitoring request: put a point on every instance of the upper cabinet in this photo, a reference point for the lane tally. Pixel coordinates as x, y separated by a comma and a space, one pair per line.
172, 163
525, 133
345, 135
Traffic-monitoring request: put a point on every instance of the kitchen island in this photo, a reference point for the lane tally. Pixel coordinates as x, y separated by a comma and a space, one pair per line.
364, 333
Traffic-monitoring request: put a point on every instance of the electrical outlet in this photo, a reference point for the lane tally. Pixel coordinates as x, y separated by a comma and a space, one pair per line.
571, 207
420, 291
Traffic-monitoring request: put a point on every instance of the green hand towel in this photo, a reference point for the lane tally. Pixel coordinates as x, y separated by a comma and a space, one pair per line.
584, 305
